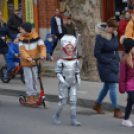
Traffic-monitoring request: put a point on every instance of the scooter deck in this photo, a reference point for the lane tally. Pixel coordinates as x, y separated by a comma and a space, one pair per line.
35, 105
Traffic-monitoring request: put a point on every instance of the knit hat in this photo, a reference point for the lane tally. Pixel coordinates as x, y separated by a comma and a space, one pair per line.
26, 26
128, 44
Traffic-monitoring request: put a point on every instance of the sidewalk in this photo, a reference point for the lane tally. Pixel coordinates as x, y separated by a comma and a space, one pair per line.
87, 95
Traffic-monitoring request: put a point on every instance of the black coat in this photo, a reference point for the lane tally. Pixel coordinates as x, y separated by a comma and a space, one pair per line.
3, 32
106, 52
13, 23
3, 47
54, 26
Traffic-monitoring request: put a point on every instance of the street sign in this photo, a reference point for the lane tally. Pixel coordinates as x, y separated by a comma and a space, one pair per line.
29, 11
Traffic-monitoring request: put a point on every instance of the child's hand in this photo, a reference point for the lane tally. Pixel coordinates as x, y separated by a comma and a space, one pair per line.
16, 55
29, 59
42, 57
55, 37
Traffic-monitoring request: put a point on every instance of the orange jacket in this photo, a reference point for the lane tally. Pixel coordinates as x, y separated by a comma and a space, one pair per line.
130, 29
31, 46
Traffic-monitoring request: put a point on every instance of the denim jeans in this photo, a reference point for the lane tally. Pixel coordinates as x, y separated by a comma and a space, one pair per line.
112, 93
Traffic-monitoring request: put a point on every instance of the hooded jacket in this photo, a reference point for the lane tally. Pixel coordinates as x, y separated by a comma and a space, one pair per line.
123, 24
13, 48
126, 80
130, 29
49, 45
29, 47
106, 53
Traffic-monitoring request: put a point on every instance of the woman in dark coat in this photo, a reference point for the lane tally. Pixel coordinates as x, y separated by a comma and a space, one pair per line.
106, 53
3, 32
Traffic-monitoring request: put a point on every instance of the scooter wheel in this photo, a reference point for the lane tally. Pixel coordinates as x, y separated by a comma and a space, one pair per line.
22, 99
45, 104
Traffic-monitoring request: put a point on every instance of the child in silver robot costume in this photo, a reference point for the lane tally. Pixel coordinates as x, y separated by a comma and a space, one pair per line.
68, 73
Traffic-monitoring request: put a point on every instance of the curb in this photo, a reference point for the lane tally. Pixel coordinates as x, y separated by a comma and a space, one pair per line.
87, 103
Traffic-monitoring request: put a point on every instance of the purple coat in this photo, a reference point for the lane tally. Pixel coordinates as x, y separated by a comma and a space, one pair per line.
126, 79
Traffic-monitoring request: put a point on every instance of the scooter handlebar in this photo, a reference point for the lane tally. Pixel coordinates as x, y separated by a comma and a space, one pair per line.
36, 59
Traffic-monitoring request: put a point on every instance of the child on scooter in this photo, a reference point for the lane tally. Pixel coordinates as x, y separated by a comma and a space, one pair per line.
30, 47
12, 56
49, 45
126, 79
68, 73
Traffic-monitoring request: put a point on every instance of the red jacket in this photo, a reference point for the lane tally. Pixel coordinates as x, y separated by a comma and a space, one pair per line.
122, 26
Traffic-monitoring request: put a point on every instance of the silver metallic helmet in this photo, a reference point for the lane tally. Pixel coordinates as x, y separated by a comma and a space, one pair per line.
66, 41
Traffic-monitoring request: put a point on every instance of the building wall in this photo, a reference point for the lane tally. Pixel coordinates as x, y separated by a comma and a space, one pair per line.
46, 9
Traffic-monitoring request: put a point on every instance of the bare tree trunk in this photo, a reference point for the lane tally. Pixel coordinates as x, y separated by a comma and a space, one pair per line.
86, 14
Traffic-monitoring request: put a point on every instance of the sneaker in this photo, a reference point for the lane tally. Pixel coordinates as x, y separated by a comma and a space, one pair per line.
127, 123
51, 58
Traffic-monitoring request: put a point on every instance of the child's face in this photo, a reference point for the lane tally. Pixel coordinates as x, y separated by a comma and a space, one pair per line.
22, 31
69, 49
16, 40
50, 39
132, 50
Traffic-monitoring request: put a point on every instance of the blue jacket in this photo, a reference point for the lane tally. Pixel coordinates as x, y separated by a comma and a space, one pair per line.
49, 45
13, 48
106, 53
54, 27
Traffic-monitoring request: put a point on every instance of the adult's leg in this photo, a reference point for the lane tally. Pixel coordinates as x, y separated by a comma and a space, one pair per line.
59, 36
112, 94
113, 97
54, 45
103, 93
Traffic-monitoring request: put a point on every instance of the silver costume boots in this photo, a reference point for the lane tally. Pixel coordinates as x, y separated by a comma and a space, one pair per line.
56, 116
73, 121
